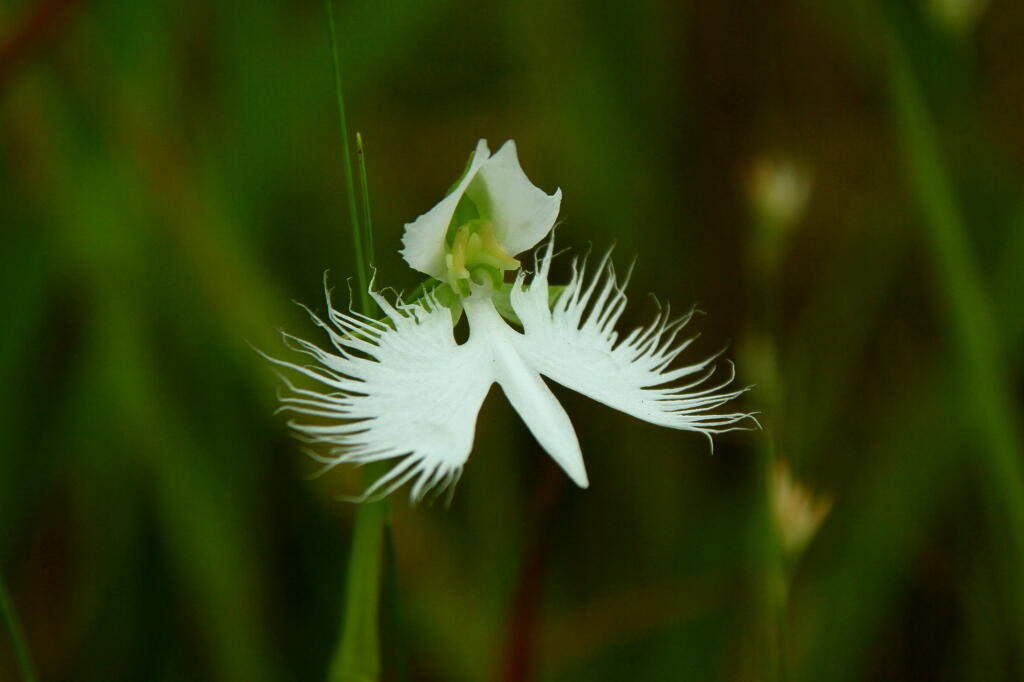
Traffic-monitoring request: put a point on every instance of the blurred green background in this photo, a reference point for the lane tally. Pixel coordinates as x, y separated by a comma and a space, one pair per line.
837, 185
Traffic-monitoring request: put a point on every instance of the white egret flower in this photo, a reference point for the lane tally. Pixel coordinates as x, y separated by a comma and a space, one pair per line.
403, 389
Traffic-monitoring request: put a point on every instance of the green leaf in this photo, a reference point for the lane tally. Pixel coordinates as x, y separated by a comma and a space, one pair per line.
503, 303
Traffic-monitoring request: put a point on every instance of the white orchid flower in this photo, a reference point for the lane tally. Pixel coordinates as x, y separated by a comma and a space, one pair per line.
492, 211
403, 389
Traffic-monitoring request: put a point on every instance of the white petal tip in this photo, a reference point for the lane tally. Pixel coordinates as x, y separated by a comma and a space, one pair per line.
577, 476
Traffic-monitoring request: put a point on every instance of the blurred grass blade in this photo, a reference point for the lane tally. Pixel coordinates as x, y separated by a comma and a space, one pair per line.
357, 657
21, 652
350, 190
364, 190
1009, 283
393, 612
982, 366
390, 594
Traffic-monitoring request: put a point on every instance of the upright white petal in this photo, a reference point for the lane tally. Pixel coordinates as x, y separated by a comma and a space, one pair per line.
524, 387
574, 342
521, 212
400, 390
424, 238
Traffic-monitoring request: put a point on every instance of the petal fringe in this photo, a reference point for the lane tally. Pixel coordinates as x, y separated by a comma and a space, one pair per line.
574, 342
400, 389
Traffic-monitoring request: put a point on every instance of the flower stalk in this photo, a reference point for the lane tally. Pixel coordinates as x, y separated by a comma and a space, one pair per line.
357, 656
346, 152
21, 652
778, 191
971, 321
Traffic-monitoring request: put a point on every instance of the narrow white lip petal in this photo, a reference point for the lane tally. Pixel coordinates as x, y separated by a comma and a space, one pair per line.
544, 416
424, 238
522, 213
525, 389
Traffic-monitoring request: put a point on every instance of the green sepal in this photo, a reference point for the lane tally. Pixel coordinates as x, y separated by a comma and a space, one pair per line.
444, 295
469, 164
503, 302
441, 292
465, 211
422, 289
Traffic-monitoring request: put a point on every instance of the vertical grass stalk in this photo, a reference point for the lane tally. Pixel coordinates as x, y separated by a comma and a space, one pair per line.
971, 318
346, 151
770, 582
364, 189
21, 653
357, 656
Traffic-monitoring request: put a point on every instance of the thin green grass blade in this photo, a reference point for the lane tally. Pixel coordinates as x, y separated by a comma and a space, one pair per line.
983, 368
364, 190
393, 612
391, 602
350, 190
357, 657
21, 652
1009, 283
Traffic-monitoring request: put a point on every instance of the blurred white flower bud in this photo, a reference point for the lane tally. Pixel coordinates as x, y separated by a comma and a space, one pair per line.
956, 16
778, 189
798, 512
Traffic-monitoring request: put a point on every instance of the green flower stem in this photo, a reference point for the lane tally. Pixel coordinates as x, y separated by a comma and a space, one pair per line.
981, 362
21, 653
357, 658
771, 580
397, 657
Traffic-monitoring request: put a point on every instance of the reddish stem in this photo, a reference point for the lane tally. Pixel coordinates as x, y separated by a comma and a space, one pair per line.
35, 29
521, 635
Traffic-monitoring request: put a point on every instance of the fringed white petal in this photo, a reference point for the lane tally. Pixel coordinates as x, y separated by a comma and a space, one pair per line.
574, 342
398, 389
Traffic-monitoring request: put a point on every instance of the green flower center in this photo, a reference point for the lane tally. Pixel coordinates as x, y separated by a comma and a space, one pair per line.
474, 255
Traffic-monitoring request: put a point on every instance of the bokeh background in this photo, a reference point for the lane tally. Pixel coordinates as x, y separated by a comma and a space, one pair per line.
837, 186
